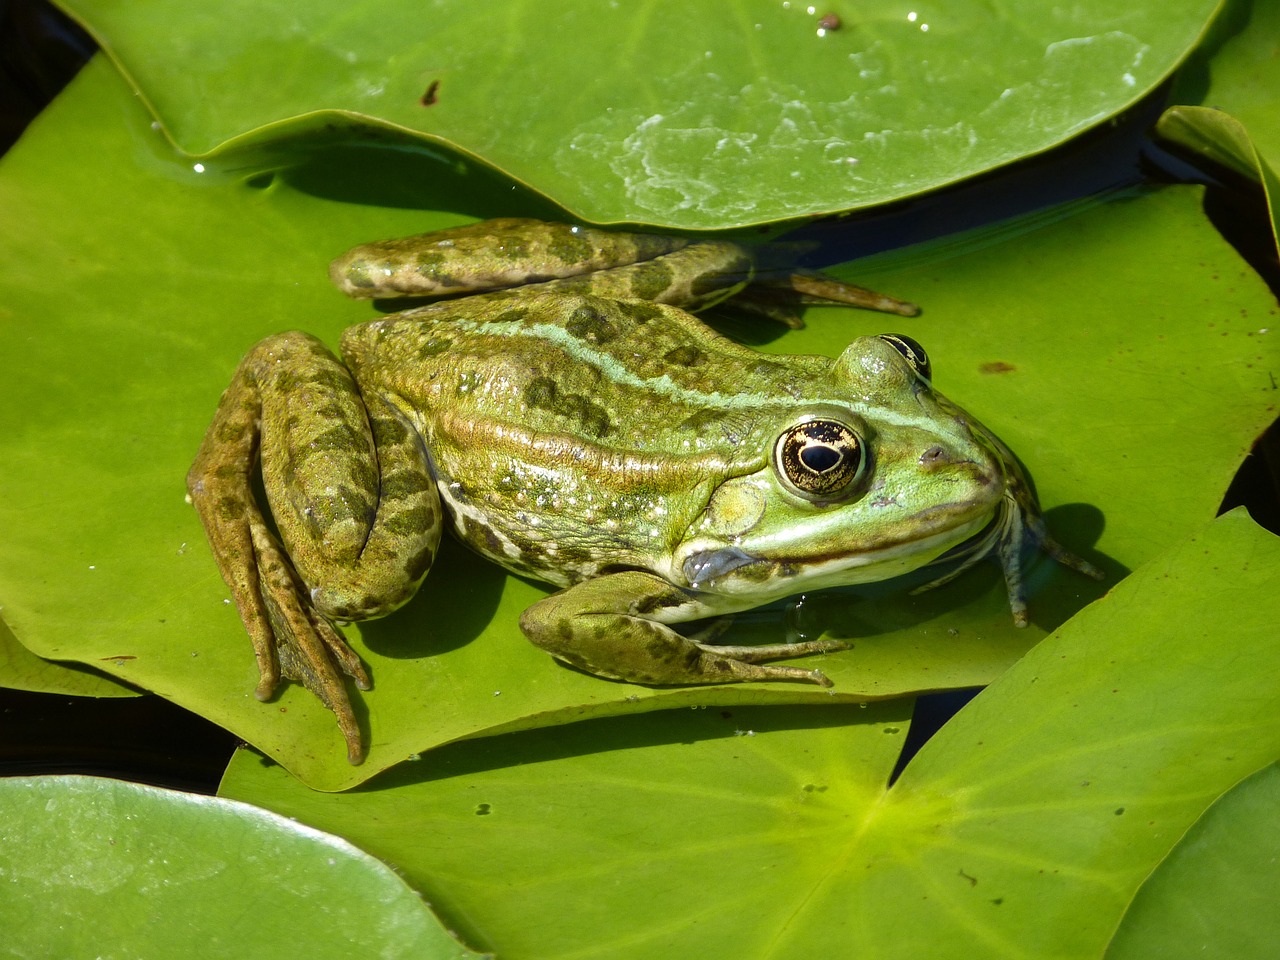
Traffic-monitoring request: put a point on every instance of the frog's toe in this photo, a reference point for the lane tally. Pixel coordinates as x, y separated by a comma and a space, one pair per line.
306, 647
744, 662
776, 651
718, 667
310, 657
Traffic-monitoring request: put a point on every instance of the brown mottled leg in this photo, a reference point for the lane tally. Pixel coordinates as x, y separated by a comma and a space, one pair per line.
351, 496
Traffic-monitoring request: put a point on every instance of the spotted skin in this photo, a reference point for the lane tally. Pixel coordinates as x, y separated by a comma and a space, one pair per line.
351, 496
586, 431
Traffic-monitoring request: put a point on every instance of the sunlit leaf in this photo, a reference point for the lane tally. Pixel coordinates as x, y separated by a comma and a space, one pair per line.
1214, 897
1239, 128
20, 669
1238, 70
1022, 829
97, 868
696, 115
1224, 140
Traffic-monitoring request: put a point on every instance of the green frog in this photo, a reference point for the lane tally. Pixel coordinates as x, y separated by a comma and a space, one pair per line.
577, 425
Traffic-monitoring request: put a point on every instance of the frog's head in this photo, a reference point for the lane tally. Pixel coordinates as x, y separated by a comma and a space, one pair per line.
877, 477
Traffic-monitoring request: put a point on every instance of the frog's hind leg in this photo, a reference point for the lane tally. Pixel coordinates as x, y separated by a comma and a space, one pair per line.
352, 498
489, 255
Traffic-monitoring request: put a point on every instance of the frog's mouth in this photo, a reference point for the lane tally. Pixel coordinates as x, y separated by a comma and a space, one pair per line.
735, 570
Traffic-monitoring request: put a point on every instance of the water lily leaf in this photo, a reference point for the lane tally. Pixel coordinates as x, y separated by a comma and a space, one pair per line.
1237, 70
1131, 393
1224, 140
1023, 828
1239, 128
20, 669
1214, 896
679, 114
94, 867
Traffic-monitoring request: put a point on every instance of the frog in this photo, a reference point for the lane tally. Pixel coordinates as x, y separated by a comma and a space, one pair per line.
563, 413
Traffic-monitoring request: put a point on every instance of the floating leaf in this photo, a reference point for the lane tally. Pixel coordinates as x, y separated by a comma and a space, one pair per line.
1214, 896
689, 115
20, 669
1239, 128
1023, 828
98, 868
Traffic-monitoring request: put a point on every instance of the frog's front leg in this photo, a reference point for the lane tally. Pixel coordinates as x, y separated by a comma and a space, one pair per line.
616, 626
349, 488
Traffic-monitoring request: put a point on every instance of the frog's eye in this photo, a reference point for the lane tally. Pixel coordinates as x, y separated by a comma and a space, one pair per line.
820, 458
912, 351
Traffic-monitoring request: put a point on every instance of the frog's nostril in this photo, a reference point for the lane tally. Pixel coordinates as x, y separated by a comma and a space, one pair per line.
935, 456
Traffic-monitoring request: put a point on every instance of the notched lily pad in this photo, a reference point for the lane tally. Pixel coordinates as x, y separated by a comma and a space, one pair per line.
689, 115
1023, 828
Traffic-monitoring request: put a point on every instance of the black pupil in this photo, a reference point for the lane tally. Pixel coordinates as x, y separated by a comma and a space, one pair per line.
820, 459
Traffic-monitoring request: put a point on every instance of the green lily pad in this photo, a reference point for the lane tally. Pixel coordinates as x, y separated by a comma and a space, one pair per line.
1237, 70
97, 868
1119, 348
20, 669
1240, 127
676, 114
1213, 898
1023, 828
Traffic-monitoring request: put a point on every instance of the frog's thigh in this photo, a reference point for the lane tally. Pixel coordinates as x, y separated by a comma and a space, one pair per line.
347, 480
605, 626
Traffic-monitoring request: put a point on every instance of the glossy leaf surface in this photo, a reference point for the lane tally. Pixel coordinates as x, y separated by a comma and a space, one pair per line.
690, 115
96, 868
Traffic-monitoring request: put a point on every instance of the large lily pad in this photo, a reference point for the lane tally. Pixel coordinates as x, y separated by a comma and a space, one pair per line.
97, 868
1117, 347
1022, 829
682, 114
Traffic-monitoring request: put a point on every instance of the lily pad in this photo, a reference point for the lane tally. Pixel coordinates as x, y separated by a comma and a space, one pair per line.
97, 868
1239, 129
676, 114
1023, 828
20, 669
1118, 347
1214, 896
1237, 70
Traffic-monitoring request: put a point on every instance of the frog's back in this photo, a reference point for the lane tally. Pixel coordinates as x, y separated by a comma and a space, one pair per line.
596, 427
628, 377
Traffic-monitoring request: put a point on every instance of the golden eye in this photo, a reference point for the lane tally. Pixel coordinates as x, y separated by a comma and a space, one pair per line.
820, 458
912, 351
